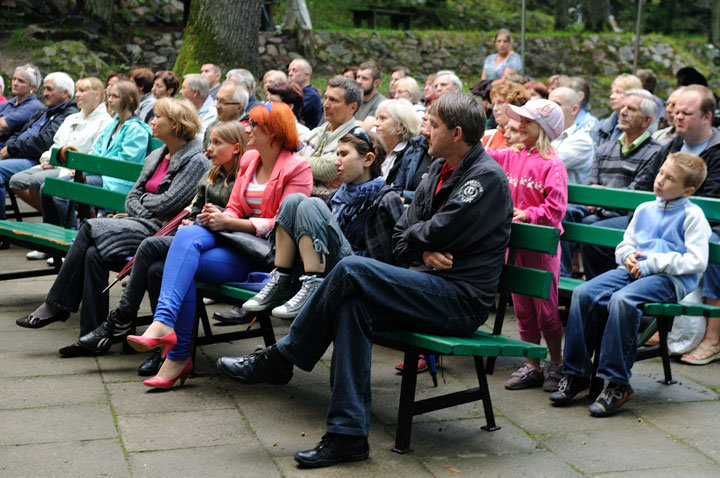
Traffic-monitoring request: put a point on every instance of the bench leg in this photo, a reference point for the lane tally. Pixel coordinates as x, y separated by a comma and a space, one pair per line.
663, 324
266, 324
485, 392
407, 401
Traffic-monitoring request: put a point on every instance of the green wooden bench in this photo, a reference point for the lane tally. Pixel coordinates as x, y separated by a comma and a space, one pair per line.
56, 240
662, 314
479, 346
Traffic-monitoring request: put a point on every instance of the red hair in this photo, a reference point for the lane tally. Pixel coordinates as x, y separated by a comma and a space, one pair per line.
277, 121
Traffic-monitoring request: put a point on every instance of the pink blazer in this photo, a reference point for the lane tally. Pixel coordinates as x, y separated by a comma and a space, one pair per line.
291, 174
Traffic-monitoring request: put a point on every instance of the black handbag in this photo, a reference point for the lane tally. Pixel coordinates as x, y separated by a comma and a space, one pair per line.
256, 249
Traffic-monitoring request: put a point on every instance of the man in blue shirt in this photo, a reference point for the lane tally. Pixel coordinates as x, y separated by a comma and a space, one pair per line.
300, 72
36, 137
15, 113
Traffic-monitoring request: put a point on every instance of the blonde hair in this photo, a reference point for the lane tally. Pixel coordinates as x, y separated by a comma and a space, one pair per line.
276, 75
183, 113
408, 83
628, 82
692, 165
401, 111
542, 146
231, 132
91, 84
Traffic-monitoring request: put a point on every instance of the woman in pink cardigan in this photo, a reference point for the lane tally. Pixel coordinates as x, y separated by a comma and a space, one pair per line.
269, 171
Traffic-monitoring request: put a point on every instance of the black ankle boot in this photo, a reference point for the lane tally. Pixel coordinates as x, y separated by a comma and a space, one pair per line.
113, 330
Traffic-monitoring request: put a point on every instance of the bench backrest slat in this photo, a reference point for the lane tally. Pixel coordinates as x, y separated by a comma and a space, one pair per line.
86, 194
610, 198
533, 237
88, 163
589, 234
526, 281
628, 199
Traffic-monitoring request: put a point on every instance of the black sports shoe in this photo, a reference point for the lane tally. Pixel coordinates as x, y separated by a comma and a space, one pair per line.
568, 387
151, 366
113, 330
265, 366
76, 350
334, 448
613, 396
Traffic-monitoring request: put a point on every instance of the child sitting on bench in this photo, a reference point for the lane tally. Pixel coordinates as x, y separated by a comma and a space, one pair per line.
661, 257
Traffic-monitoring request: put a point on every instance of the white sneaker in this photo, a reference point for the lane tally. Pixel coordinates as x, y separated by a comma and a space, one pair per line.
35, 256
278, 289
291, 308
208, 301
51, 261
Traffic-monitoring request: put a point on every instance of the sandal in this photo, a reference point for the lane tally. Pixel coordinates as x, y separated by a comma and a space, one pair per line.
32, 322
702, 354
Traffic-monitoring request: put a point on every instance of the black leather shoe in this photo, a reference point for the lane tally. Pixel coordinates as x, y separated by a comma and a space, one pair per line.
113, 330
76, 350
31, 322
265, 366
234, 316
4, 245
151, 366
334, 448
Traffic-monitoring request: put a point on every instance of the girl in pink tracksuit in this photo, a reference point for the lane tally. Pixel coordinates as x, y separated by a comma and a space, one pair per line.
538, 183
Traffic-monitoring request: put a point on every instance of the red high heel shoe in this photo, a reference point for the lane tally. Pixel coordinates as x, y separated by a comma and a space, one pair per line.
160, 383
143, 344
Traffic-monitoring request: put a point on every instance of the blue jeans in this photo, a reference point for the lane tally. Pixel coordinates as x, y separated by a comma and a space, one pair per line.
711, 279
598, 259
193, 255
8, 167
300, 216
359, 297
613, 300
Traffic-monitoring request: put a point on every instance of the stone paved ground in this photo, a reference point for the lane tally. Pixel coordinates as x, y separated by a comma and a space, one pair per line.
93, 416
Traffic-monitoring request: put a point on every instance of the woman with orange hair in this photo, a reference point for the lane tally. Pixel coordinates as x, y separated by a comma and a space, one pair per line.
269, 171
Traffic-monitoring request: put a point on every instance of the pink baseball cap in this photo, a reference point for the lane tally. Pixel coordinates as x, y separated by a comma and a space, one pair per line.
546, 113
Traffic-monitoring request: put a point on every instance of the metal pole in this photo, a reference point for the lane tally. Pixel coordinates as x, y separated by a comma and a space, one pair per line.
637, 36
522, 37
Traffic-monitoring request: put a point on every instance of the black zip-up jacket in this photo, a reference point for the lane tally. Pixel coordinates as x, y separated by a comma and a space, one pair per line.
469, 217
33, 146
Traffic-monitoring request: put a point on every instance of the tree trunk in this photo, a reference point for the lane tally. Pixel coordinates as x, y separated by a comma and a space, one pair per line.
597, 15
562, 17
224, 32
715, 22
103, 10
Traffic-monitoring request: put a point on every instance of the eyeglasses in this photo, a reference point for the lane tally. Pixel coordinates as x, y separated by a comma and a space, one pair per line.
360, 133
226, 103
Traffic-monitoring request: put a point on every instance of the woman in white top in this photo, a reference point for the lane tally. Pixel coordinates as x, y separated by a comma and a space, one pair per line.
80, 130
395, 122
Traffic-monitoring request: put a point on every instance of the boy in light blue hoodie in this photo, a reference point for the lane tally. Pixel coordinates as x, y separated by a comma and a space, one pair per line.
661, 258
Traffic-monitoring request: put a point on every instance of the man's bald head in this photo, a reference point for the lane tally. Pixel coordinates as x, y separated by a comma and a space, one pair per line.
569, 102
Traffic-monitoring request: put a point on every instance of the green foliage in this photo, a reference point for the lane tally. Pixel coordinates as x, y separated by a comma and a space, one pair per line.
336, 15
20, 39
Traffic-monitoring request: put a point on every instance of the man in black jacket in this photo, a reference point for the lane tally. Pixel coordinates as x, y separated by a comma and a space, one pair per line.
694, 109
451, 242
36, 137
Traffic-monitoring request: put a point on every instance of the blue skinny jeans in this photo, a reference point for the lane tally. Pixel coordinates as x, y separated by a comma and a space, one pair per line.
194, 255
